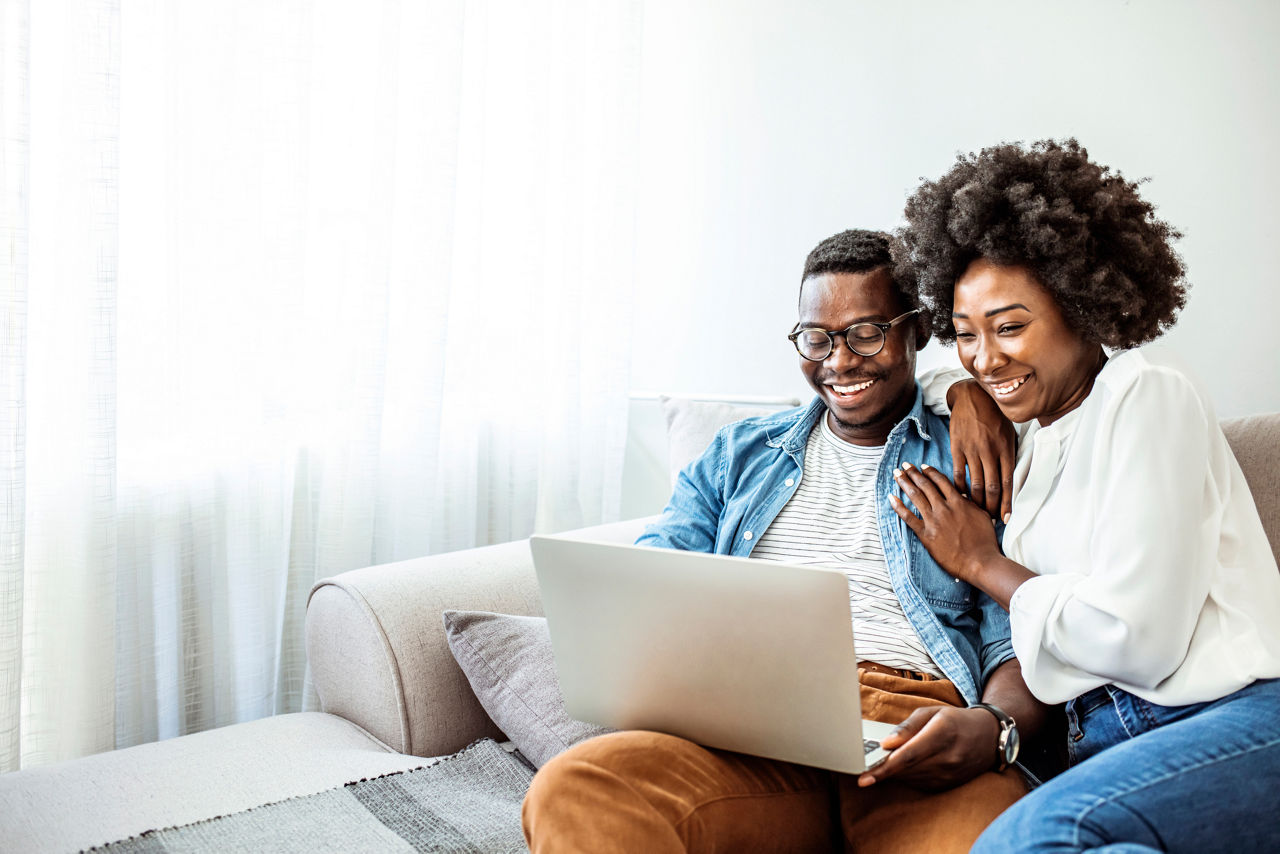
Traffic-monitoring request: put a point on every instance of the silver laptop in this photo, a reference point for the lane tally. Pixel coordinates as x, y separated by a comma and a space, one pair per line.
753, 656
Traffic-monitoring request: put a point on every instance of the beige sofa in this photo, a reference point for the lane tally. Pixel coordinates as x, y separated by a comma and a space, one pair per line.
390, 690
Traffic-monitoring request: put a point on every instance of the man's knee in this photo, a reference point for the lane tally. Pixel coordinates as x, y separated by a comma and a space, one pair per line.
604, 795
654, 792
580, 770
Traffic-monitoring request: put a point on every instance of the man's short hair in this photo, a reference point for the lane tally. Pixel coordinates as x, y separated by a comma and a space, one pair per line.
852, 251
855, 251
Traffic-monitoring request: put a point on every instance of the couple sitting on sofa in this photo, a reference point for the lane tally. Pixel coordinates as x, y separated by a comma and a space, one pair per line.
1135, 584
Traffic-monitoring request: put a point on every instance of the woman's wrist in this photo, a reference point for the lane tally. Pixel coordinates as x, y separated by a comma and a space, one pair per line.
953, 391
996, 576
977, 568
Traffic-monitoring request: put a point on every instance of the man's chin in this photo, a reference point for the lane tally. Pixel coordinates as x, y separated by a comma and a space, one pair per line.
854, 421
859, 413
869, 418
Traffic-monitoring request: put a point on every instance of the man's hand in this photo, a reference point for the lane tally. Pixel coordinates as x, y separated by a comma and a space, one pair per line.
939, 748
985, 441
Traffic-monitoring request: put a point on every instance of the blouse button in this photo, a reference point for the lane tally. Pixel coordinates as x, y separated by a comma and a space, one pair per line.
746, 535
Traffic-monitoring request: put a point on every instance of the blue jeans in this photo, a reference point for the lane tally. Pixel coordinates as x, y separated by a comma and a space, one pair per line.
1199, 778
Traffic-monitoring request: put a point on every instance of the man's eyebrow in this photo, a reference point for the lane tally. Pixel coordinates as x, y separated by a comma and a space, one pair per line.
993, 312
870, 318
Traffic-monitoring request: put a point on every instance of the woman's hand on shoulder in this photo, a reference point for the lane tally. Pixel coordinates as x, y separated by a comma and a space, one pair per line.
983, 440
956, 531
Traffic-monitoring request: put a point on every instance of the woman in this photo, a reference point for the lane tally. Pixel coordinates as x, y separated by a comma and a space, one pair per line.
1141, 587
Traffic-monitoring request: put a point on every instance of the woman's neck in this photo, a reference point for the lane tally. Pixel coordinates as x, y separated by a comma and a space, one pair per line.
1089, 372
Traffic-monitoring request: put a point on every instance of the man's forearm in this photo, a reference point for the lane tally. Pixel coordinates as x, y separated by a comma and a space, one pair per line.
1006, 690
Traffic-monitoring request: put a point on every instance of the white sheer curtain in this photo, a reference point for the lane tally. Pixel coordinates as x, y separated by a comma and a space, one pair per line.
290, 288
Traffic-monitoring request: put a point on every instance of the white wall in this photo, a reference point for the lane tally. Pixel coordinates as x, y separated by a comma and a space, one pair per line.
770, 125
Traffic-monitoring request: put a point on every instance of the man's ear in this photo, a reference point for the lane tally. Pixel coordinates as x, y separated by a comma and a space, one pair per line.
924, 329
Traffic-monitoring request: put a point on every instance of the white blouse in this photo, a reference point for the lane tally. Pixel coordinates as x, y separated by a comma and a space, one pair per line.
1153, 569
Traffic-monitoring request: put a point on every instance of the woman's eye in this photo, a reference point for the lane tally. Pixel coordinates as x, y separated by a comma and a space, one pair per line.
1010, 328
963, 336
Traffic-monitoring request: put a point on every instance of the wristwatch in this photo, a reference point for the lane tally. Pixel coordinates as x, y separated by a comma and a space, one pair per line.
1008, 743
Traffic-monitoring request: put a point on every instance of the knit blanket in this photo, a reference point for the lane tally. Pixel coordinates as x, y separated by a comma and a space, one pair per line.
468, 802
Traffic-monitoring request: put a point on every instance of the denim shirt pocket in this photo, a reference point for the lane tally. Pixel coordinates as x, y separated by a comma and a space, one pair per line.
773, 478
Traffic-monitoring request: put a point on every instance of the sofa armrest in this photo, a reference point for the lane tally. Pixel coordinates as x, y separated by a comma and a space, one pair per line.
376, 644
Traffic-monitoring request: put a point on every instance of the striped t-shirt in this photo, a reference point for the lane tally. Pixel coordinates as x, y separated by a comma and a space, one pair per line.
831, 521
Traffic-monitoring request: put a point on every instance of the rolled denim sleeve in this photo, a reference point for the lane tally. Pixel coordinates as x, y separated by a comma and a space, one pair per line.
691, 519
995, 630
997, 646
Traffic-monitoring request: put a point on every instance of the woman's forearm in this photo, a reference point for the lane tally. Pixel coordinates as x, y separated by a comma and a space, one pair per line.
998, 577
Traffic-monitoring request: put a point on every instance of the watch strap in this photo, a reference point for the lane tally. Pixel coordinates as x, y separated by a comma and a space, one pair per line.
1007, 741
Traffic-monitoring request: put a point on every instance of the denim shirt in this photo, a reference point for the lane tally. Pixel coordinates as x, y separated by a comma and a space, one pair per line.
724, 500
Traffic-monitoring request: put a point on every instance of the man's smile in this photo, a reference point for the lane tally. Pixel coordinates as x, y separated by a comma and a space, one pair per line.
851, 389
847, 394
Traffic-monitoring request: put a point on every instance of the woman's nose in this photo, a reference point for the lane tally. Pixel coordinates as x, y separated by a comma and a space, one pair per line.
987, 356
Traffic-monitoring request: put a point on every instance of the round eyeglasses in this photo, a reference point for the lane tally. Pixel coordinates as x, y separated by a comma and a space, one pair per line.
865, 339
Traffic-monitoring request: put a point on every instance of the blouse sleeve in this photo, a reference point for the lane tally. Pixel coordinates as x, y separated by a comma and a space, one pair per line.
935, 383
1129, 615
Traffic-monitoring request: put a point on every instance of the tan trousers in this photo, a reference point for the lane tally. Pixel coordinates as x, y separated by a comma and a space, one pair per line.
648, 792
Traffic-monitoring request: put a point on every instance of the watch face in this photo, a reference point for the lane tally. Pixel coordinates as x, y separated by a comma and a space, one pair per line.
1010, 743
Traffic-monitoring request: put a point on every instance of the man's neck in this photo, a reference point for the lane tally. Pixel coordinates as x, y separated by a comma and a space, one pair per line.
830, 426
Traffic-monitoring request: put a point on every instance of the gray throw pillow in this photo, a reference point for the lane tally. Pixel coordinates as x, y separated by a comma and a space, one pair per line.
509, 664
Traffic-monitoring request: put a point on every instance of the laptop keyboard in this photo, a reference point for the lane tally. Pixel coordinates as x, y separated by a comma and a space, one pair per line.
868, 745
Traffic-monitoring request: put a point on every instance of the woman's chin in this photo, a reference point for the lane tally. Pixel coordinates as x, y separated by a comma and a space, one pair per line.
1017, 413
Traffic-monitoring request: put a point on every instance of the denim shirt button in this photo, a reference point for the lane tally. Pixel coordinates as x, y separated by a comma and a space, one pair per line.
790, 481
746, 535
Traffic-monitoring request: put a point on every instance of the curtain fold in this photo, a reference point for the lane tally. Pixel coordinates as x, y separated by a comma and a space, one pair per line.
14, 170
371, 302
70, 394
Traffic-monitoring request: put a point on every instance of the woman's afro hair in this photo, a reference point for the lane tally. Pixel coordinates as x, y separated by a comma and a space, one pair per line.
1082, 229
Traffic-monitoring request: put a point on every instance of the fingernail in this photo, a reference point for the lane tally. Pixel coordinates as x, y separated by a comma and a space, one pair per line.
926, 466
1006, 518
898, 472
907, 465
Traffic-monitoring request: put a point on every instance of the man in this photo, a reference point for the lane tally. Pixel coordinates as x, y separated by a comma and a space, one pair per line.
811, 485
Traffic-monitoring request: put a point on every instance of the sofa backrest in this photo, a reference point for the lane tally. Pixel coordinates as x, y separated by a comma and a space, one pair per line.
1255, 440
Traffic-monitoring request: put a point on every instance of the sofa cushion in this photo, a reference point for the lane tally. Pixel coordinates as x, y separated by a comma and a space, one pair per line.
509, 663
1255, 441
692, 424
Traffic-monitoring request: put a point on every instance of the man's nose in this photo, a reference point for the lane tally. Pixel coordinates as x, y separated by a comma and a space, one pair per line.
841, 354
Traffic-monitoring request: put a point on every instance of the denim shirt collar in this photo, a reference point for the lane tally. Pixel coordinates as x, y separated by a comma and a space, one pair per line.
795, 438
